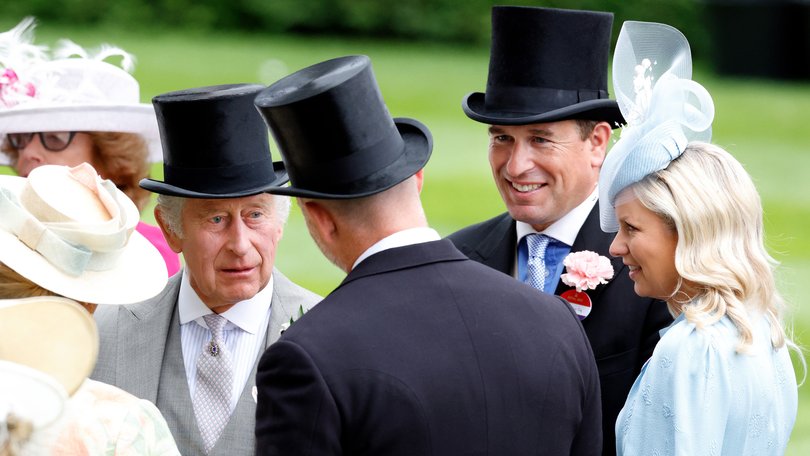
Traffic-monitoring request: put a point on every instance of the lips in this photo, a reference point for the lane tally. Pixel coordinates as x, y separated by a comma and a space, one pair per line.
242, 270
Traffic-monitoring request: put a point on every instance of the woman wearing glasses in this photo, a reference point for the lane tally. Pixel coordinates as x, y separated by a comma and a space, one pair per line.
73, 108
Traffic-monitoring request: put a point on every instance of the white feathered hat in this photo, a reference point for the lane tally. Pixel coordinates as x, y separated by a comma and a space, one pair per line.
72, 91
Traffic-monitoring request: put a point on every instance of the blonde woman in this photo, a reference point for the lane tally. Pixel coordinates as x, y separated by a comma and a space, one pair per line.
689, 222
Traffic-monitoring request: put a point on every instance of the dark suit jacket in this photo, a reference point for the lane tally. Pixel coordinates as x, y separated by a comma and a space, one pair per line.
421, 351
622, 327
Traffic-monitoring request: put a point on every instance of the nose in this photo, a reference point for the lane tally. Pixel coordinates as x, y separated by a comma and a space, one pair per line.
29, 157
520, 159
238, 237
618, 247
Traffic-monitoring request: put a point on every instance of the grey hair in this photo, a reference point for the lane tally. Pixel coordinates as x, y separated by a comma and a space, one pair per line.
171, 208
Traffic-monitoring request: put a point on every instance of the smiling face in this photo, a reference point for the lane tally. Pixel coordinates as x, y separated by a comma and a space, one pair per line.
229, 246
543, 171
646, 244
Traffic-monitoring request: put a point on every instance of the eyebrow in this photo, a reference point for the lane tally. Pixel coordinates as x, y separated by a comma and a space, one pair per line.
496, 130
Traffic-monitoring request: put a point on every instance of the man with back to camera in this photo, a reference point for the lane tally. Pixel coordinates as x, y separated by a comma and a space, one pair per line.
193, 349
415, 352
550, 122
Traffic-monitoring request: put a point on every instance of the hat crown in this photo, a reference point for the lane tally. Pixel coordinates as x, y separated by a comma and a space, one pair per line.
69, 216
77, 81
72, 233
546, 65
214, 143
549, 48
333, 128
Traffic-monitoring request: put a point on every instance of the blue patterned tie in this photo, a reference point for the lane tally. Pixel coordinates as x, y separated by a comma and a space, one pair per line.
536, 272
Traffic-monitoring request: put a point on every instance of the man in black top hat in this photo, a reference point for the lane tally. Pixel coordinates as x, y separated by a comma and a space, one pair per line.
419, 350
192, 349
550, 122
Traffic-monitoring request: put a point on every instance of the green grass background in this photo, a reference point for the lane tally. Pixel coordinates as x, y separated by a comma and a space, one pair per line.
763, 123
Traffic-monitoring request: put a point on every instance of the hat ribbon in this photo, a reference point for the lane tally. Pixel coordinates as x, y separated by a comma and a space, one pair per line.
90, 252
533, 99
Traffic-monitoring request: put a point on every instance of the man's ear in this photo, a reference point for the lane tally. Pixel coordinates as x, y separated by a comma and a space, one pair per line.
598, 139
174, 241
319, 218
420, 180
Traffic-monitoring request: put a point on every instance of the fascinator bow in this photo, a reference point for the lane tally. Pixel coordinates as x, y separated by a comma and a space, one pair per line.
663, 107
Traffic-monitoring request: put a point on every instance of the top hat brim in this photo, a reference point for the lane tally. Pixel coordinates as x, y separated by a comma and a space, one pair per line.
418, 147
601, 110
163, 188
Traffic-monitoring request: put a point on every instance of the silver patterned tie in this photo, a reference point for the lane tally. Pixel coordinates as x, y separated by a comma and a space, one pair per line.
536, 271
212, 396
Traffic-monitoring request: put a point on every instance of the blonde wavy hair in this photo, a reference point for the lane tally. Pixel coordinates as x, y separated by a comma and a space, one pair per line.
710, 201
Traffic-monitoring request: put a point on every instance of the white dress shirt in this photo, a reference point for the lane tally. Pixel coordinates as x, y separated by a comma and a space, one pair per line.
400, 239
244, 333
564, 230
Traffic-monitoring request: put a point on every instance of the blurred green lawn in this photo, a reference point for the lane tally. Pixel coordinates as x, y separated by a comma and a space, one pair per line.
762, 123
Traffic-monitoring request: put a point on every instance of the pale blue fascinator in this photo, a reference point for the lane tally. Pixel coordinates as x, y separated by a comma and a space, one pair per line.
663, 107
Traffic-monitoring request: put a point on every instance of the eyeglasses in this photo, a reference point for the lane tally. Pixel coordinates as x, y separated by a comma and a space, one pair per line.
54, 141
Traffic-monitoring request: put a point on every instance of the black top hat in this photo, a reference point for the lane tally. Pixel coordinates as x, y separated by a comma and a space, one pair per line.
215, 144
546, 65
335, 134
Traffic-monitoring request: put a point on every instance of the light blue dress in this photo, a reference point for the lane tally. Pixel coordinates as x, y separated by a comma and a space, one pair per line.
697, 396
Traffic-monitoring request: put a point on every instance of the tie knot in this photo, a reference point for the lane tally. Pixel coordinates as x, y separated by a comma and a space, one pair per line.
537, 244
215, 323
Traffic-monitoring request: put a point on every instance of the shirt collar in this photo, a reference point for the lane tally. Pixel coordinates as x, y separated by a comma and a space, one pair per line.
247, 315
400, 239
566, 228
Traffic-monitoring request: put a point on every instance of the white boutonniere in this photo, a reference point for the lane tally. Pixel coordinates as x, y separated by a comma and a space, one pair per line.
286, 325
585, 270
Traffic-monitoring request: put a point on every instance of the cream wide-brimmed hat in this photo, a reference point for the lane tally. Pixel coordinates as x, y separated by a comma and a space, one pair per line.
73, 91
53, 335
72, 233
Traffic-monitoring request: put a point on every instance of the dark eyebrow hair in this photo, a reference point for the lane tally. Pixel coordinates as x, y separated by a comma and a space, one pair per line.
496, 130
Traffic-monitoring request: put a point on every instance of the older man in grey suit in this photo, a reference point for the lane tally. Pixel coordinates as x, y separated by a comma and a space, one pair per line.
193, 349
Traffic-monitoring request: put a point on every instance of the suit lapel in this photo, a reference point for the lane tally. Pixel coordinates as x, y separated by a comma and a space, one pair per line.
497, 249
282, 308
141, 341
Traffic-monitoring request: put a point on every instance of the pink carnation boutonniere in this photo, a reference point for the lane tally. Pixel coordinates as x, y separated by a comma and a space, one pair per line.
585, 271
